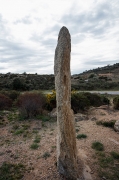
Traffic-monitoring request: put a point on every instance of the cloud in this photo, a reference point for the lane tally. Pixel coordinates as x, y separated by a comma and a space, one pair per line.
17, 57
22, 58
25, 20
45, 42
95, 21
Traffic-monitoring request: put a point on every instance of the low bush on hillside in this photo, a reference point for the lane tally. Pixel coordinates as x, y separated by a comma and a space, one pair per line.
5, 102
19, 84
116, 102
31, 104
91, 75
13, 95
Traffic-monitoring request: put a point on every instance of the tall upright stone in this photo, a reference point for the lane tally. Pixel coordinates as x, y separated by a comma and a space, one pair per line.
66, 142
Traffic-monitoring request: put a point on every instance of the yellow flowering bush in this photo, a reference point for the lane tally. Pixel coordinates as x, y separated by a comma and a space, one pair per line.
51, 96
51, 100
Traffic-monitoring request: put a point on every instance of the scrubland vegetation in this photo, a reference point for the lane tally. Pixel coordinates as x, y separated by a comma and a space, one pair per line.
18, 110
21, 106
104, 78
31, 104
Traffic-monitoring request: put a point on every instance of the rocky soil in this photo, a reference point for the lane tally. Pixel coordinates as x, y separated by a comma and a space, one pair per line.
40, 163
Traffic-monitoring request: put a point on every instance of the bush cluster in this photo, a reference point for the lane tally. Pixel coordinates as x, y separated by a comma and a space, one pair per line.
116, 102
106, 123
12, 94
5, 102
82, 101
31, 104
79, 101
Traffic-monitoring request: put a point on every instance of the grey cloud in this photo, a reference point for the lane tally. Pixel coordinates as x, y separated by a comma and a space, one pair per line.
102, 63
96, 21
78, 38
49, 41
3, 29
53, 30
20, 58
25, 20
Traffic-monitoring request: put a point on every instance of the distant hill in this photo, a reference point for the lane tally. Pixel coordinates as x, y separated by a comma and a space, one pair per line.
104, 70
103, 78
26, 82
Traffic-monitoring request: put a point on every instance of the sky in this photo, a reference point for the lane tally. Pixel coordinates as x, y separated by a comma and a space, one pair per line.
29, 31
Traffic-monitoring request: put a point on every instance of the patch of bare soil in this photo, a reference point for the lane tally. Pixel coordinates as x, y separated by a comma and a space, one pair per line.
40, 163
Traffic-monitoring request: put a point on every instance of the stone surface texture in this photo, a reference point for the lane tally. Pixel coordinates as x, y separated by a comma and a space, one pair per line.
66, 142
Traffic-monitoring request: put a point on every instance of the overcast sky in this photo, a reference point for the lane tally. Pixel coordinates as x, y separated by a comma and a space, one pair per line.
29, 31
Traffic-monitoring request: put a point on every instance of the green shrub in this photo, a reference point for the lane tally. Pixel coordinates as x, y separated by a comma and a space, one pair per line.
82, 101
106, 123
79, 102
37, 139
5, 102
19, 131
31, 104
97, 146
115, 155
12, 116
105, 161
25, 126
105, 100
81, 136
10, 171
96, 99
19, 84
44, 118
77, 130
34, 146
116, 102
91, 75
46, 155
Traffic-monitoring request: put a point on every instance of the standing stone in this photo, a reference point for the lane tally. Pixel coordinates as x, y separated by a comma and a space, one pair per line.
66, 143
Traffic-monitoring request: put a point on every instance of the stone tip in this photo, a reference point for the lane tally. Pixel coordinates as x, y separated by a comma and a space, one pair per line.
64, 28
64, 32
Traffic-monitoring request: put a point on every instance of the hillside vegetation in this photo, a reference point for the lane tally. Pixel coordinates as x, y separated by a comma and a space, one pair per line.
104, 78
26, 81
